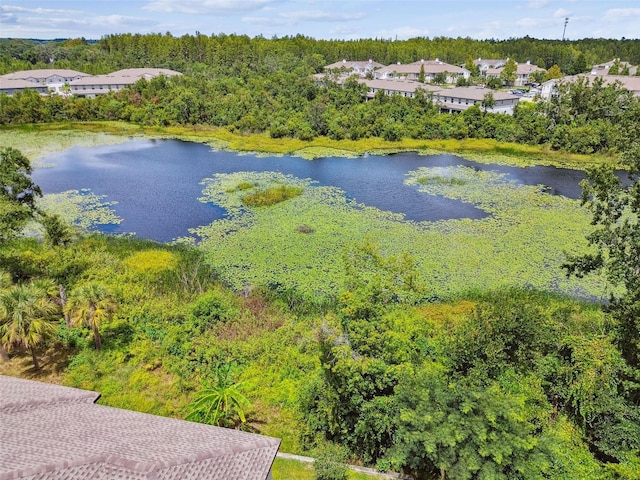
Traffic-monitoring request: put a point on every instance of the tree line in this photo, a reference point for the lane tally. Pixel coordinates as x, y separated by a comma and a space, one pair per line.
586, 117
222, 52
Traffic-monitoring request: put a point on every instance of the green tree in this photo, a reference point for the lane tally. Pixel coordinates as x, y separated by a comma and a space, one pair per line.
421, 74
376, 282
219, 402
537, 76
57, 232
26, 318
460, 429
488, 101
553, 72
18, 193
616, 240
472, 67
494, 83
615, 68
91, 304
508, 73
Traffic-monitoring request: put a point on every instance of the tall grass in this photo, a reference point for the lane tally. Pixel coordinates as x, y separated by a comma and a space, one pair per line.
271, 196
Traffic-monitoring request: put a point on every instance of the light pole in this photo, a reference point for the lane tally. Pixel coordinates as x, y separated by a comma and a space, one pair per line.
566, 20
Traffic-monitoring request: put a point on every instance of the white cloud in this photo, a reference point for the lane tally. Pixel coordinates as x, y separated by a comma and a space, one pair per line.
561, 12
267, 21
203, 7
39, 11
537, 3
320, 16
621, 13
120, 21
530, 22
8, 19
294, 18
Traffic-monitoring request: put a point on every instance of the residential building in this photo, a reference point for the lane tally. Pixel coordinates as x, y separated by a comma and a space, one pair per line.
406, 88
483, 64
523, 70
631, 83
432, 69
52, 78
11, 86
603, 68
50, 432
100, 84
452, 100
359, 68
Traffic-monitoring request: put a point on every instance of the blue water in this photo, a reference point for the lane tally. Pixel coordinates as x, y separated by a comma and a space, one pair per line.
156, 183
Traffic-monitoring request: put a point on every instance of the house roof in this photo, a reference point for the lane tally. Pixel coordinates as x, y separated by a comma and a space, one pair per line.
18, 84
351, 64
145, 72
603, 68
44, 73
430, 66
474, 93
127, 76
631, 83
521, 69
55, 432
405, 86
490, 62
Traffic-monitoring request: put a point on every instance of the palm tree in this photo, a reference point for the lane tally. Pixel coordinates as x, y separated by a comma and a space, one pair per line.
90, 304
25, 318
218, 404
56, 292
5, 283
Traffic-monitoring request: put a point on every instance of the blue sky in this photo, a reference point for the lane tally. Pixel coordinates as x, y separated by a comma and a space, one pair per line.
338, 19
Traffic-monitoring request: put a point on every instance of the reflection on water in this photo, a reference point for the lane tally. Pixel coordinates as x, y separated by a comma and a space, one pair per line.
156, 183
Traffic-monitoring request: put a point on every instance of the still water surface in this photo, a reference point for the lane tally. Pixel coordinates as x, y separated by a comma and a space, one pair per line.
156, 183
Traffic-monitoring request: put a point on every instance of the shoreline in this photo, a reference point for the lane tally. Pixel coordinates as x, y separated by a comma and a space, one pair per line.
62, 136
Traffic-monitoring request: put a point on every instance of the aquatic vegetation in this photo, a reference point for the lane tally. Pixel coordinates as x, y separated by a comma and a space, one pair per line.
81, 208
523, 242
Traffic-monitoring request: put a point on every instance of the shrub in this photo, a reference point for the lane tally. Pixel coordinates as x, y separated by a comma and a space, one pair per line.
271, 196
329, 463
305, 229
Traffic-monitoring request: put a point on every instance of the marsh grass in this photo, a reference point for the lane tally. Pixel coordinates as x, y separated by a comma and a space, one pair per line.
441, 180
271, 196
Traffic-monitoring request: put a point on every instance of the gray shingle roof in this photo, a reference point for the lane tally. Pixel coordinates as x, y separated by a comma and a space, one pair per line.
43, 73
59, 433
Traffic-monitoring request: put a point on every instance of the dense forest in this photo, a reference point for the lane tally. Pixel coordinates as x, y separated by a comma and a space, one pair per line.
507, 383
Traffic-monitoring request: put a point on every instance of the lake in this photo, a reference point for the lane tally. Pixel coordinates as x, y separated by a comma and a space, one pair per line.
156, 183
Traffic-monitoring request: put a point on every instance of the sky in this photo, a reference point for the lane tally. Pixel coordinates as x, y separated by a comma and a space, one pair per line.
326, 19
